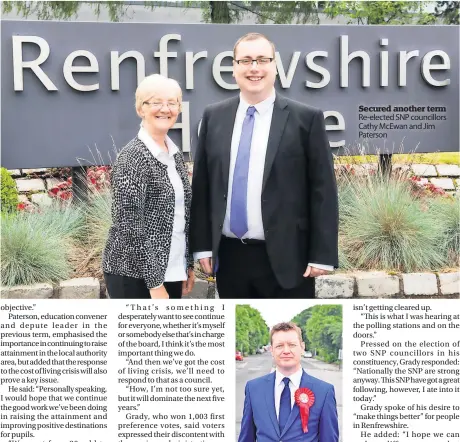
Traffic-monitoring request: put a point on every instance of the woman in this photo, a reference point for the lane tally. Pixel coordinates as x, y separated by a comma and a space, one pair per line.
147, 253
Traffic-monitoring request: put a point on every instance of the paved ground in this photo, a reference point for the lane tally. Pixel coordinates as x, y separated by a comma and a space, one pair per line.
202, 290
258, 365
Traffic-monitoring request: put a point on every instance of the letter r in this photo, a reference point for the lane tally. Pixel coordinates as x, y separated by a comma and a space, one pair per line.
19, 65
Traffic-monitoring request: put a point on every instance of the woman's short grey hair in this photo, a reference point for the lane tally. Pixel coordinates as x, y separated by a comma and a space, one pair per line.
152, 84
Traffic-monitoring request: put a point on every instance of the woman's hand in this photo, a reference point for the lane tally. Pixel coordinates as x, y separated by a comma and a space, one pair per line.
159, 293
187, 286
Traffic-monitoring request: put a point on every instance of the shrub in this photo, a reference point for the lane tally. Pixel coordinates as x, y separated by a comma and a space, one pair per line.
31, 252
65, 222
97, 179
382, 226
62, 191
98, 220
447, 213
9, 193
35, 247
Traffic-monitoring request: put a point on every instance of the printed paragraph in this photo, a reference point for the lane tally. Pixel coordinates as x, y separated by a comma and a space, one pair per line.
171, 357
406, 371
51, 370
99, 371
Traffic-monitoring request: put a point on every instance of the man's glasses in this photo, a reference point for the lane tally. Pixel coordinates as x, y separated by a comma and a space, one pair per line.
172, 105
249, 61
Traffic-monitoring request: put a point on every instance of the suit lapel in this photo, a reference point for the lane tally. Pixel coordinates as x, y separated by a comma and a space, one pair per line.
270, 400
279, 119
226, 137
295, 412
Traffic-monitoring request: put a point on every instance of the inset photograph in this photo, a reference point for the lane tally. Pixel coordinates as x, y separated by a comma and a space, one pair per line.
288, 372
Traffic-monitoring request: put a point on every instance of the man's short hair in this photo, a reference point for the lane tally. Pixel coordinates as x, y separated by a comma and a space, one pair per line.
285, 326
252, 36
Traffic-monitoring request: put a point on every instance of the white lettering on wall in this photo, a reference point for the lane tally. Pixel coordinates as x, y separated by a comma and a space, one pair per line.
217, 69
286, 80
19, 64
69, 70
286, 76
309, 61
345, 59
190, 60
339, 125
384, 63
404, 57
184, 125
115, 61
427, 67
163, 53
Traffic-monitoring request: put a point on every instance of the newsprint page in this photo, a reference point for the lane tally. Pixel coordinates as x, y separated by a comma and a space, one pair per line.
182, 137
116, 371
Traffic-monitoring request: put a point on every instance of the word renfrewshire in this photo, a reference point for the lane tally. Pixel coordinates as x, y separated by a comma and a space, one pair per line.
401, 58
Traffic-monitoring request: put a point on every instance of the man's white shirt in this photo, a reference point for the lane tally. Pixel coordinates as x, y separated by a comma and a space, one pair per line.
294, 384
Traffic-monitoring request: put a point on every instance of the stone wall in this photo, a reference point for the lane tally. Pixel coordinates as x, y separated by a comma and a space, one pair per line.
33, 188
388, 285
336, 286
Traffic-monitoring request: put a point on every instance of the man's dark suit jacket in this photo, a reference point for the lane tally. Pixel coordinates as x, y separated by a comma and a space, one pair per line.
299, 192
260, 423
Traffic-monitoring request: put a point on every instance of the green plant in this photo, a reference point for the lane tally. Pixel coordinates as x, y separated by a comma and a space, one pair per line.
447, 213
344, 262
382, 226
9, 193
324, 330
98, 221
65, 222
36, 246
31, 251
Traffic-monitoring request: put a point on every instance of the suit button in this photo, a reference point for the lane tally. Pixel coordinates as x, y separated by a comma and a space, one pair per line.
225, 196
220, 226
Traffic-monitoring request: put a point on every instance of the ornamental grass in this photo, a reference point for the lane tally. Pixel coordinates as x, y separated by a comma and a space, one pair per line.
384, 225
35, 246
447, 212
387, 222
98, 219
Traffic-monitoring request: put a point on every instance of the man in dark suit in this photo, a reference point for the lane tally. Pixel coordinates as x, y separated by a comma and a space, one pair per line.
272, 404
264, 204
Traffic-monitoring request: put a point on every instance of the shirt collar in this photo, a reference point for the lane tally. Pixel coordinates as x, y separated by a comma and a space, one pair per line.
294, 378
261, 107
153, 147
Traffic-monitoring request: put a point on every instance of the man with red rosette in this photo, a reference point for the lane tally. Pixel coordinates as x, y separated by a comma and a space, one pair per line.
288, 404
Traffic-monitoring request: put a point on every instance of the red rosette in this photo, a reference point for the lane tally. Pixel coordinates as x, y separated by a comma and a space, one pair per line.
304, 398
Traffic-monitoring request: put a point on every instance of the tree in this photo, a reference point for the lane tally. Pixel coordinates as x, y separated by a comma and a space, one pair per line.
212, 11
448, 12
324, 329
251, 329
301, 12
380, 12
219, 12
301, 321
65, 10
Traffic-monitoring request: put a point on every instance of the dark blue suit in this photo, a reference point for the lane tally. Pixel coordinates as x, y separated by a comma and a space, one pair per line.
260, 423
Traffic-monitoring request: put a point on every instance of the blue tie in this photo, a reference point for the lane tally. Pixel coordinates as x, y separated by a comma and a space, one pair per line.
285, 405
238, 208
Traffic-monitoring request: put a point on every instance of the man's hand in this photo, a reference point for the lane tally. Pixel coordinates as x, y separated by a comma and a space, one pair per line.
187, 286
159, 293
313, 272
206, 265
